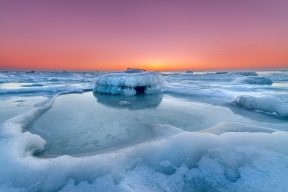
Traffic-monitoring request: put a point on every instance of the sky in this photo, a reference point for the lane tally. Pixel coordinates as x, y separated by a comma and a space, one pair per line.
149, 34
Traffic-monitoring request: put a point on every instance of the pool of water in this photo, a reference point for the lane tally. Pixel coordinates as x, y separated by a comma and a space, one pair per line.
83, 124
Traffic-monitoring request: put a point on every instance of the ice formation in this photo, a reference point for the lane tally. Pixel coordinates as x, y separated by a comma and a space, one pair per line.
263, 103
189, 71
227, 162
226, 148
254, 80
130, 82
245, 73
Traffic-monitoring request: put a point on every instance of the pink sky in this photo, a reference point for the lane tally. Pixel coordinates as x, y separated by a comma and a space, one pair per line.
158, 34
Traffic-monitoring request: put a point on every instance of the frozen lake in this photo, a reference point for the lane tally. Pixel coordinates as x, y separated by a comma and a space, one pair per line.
204, 131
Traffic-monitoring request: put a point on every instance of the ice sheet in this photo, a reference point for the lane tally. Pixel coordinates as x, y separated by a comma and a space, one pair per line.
189, 137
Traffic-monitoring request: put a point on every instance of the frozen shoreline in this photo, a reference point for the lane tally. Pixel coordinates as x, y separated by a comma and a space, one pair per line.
235, 149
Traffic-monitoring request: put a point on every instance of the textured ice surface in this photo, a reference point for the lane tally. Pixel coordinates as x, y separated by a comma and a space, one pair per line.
129, 83
263, 103
13, 106
190, 137
254, 80
245, 73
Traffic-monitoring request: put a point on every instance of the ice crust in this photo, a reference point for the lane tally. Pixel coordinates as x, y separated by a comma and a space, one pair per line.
254, 80
126, 83
263, 103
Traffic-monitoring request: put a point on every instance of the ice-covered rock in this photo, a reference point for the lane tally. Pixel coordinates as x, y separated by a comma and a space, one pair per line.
130, 82
254, 80
263, 103
189, 71
221, 72
134, 70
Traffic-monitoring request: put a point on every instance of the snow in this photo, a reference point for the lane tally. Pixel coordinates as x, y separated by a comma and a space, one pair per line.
263, 103
127, 83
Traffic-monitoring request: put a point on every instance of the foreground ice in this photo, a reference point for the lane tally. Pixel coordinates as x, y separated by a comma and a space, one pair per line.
131, 82
190, 137
231, 161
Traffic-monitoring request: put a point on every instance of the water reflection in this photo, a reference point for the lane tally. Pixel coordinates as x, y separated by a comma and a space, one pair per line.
129, 102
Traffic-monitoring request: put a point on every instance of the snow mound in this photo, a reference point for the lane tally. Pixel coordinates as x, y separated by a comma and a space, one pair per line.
254, 80
263, 103
129, 83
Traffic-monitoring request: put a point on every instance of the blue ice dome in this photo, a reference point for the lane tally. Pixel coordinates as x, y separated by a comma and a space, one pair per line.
130, 82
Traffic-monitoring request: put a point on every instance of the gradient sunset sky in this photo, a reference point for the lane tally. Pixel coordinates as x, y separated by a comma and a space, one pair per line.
150, 34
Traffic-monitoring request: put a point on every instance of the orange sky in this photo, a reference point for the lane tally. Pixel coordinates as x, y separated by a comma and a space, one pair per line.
154, 35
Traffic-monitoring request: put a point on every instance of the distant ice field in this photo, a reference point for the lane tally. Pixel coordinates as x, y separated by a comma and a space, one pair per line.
204, 131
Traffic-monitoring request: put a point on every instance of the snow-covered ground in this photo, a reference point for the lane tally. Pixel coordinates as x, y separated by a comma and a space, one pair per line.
204, 131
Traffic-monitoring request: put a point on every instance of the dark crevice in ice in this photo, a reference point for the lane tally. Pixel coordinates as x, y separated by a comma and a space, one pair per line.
140, 90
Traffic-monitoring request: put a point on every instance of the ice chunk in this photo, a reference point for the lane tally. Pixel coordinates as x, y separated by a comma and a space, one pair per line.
221, 72
263, 103
245, 73
129, 83
254, 80
189, 71
124, 103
